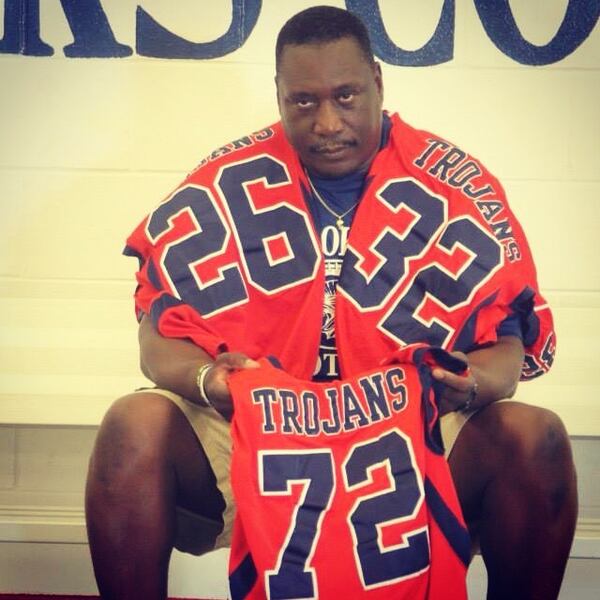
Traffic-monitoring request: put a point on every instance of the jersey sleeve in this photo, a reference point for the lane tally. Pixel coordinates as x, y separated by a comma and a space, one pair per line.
156, 293
435, 255
508, 300
230, 260
512, 303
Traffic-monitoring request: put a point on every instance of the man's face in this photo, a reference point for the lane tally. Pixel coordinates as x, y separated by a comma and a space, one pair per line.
330, 100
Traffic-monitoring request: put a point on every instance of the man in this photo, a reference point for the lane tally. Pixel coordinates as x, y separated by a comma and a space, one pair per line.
247, 221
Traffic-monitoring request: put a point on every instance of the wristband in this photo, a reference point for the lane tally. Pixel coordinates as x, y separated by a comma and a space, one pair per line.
200, 378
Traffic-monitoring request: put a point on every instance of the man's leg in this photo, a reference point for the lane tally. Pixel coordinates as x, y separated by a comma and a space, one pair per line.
514, 474
146, 461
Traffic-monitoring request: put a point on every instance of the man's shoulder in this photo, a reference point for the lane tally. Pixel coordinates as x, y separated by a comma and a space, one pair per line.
435, 157
269, 139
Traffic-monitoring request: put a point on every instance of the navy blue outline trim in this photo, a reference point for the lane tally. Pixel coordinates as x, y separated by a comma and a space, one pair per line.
243, 578
153, 276
453, 530
523, 306
433, 433
131, 251
160, 305
431, 424
274, 361
442, 357
465, 341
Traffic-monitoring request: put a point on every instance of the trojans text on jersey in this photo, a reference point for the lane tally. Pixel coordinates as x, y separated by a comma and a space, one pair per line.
354, 405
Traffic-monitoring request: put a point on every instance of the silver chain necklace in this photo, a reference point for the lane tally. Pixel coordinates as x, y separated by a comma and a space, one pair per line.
339, 216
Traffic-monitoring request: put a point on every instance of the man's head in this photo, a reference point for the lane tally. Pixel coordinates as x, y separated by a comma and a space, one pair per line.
329, 90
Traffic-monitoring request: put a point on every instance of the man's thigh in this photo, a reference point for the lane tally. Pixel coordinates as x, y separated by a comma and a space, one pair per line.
202, 457
482, 449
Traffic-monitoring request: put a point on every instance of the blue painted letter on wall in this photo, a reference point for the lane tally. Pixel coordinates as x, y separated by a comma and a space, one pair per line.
155, 40
92, 34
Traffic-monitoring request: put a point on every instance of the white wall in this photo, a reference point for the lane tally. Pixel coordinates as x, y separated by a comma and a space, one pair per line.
90, 145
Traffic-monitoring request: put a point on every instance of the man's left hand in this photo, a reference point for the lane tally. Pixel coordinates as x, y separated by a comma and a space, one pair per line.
459, 390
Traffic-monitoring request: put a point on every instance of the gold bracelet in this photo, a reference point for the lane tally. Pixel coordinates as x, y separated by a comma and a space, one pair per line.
200, 378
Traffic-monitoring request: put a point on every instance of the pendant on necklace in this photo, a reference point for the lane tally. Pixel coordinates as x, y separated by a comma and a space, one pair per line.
340, 223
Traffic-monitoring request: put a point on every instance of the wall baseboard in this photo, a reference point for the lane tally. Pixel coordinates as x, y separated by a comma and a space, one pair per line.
66, 525
42, 524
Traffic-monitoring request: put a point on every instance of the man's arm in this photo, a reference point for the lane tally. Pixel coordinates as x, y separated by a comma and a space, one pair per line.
173, 364
494, 373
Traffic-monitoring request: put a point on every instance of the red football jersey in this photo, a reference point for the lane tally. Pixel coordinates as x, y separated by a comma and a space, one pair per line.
342, 489
231, 259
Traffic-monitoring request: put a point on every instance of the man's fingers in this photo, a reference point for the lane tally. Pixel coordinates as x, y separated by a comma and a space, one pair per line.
235, 360
454, 381
216, 386
224, 365
438, 374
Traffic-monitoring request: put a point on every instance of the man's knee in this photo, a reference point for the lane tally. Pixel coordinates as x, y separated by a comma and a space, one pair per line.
514, 442
135, 429
146, 442
517, 457
535, 452
527, 435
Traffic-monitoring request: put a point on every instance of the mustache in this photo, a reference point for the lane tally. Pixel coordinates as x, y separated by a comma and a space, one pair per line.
331, 145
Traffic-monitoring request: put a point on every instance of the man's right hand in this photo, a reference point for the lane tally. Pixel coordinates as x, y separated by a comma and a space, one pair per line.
215, 382
173, 363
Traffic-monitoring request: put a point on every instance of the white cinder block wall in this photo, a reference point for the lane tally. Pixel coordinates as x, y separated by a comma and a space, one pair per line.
89, 145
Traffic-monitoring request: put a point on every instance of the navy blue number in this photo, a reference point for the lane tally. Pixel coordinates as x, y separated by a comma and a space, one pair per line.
276, 246
292, 577
205, 238
370, 290
379, 565
258, 230
404, 323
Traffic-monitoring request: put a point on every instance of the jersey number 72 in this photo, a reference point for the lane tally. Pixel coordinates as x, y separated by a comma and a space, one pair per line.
293, 576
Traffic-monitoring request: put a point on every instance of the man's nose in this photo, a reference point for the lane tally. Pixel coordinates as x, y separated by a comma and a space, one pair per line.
327, 119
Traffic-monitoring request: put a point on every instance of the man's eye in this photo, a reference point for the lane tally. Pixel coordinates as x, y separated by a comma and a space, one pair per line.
346, 98
304, 103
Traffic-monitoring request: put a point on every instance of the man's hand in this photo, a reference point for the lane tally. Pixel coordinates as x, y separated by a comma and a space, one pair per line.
459, 390
173, 363
215, 383
493, 373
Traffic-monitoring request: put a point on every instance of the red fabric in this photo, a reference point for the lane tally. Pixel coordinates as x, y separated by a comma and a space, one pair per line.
254, 327
284, 321
397, 463
504, 284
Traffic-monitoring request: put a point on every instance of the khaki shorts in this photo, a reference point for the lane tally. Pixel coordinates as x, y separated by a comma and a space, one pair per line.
197, 534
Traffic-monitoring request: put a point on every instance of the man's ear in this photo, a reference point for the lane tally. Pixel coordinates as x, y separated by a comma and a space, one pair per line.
277, 89
378, 77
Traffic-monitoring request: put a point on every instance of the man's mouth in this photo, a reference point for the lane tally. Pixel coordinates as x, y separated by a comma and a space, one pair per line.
331, 149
